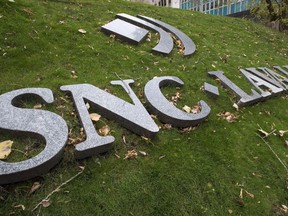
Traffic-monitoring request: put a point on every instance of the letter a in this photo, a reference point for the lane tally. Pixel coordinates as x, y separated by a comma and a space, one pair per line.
244, 99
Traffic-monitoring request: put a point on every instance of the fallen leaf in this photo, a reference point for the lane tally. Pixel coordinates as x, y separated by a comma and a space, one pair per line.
196, 109
94, 117
82, 31
187, 109
46, 203
162, 157
20, 206
230, 211
131, 154
187, 129
104, 130
143, 153
176, 97
35, 186
236, 106
5, 149
28, 11
37, 106
286, 142
230, 117
145, 138
73, 74
167, 126
285, 208
82, 168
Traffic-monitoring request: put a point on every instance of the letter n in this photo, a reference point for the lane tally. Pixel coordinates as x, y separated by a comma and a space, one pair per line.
132, 116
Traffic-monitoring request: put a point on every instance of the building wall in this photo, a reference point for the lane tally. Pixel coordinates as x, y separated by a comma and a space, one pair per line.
216, 7
164, 3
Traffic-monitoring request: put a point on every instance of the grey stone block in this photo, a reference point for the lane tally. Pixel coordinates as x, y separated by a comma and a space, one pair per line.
125, 31
282, 70
165, 44
211, 90
189, 45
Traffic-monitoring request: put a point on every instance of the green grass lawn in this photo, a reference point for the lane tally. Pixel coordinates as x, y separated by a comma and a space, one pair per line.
217, 168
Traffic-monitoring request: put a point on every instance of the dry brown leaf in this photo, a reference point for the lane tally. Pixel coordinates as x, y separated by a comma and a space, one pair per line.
167, 126
37, 106
46, 203
95, 117
82, 31
187, 109
75, 140
196, 109
285, 208
187, 129
28, 11
131, 154
35, 186
5, 149
104, 130
20, 206
230, 117
82, 168
73, 74
176, 97
226, 114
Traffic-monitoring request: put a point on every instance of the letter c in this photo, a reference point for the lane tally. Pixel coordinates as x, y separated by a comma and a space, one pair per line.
165, 110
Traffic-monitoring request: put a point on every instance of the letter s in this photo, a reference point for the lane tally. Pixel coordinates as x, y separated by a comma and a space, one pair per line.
36, 122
